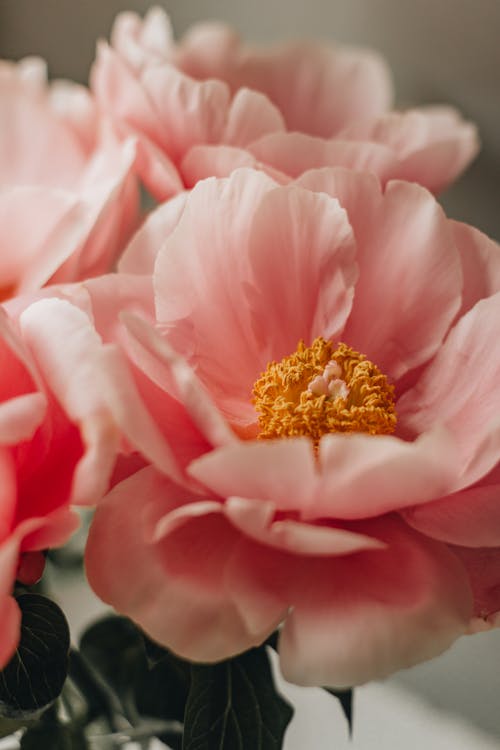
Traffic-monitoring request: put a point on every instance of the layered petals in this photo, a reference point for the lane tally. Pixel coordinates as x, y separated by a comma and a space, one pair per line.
74, 180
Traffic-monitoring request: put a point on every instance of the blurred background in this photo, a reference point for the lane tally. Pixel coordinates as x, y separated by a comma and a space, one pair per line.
439, 51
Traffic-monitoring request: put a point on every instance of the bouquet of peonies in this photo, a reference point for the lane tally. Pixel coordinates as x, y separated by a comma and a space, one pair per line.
279, 386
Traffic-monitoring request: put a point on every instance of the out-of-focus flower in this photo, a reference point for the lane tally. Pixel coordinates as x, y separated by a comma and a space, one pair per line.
334, 348
68, 198
211, 104
53, 450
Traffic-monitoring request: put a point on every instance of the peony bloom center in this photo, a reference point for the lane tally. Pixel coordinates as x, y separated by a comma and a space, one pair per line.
319, 389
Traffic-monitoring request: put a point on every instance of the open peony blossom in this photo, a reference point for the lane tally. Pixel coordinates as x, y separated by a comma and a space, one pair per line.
54, 449
324, 368
211, 104
68, 198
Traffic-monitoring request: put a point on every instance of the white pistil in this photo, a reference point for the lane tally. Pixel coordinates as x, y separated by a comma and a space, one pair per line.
329, 383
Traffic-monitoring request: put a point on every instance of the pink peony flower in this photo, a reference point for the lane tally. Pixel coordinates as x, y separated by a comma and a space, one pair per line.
333, 348
211, 104
64, 169
53, 450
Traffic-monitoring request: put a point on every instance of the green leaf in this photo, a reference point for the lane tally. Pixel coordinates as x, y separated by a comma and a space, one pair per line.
53, 737
234, 706
35, 676
345, 699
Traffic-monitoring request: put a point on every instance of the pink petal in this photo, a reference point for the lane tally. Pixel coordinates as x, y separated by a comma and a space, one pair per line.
361, 617
190, 112
406, 253
460, 389
156, 170
470, 518
295, 153
175, 599
140, 255
255, 519
250, 116
240, 226
483, 569
77, 377
20, 417
279, 471
201, 162
10, 615
480, 258
141, 42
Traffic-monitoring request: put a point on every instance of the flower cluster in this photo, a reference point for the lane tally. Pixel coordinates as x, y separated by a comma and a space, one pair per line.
279, 387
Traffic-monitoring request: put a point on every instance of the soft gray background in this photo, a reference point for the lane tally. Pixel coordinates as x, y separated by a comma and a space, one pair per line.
439, 50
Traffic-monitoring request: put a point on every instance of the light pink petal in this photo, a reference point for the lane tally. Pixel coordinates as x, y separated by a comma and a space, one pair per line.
279, 471
176, 600
255, 519
75, 106
33, 251
250, 116
156, 170
209, 50
52, 530
406, 254
140, 255
364, 475
241, 235
55, 157
20, 417
201, 162
317, 88
190, 111
460, 389
470, 517
480, 258
121, 94
365, 616
142, 42
295, 153
432, 144
172, 371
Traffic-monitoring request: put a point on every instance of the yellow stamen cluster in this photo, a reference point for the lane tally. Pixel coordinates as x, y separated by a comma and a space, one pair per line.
289, 402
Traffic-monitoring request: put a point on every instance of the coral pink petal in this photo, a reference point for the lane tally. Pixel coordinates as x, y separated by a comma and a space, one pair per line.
470, 518
480, 258
406, 253
460, 389
175, 599
52, 530
10, 617
255, 519
140, 255
251, 116
8, 492
391, 609
77, 376
190, 111
10, 614
483, 568
295, 153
